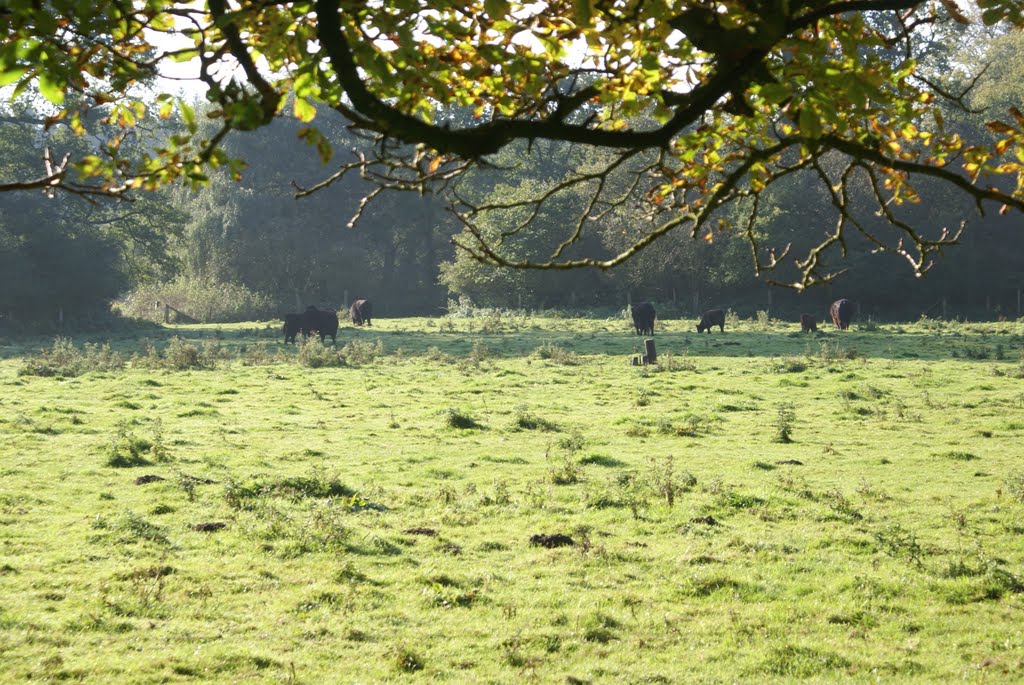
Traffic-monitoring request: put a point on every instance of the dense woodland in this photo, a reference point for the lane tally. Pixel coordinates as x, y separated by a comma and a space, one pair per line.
249, 248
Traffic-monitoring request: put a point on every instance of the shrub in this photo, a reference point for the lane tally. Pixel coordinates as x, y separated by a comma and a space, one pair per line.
128, 449
64, 359
361, 352
564, 469
900, 543
522, 419
453, 418
203, 300
315, 354
557, 355
181, 355
785, 416
1014, 485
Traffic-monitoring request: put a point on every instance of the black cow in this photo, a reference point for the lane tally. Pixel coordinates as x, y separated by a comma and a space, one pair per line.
842, 313
712, 317
361, 312
292, 326
323, 322
807, 323
643, 317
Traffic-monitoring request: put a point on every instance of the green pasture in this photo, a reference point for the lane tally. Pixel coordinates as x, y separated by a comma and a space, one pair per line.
761, 506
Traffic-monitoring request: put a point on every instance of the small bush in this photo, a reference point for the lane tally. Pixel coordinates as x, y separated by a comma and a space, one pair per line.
128, 450
181, 356
64, 359
361, 352
557, 355
1014, 485
314, 354
522, 419
453, 418
564, 469
785, 417
900, 543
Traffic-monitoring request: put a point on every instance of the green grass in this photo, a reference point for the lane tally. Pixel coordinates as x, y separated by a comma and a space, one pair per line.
378, 512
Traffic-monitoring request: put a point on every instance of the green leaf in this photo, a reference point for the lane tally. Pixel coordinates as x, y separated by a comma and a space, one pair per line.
584, 11
774, 92
52, 90
304, 110
496, 8
809, 124
188, 115
9, 76
992, 16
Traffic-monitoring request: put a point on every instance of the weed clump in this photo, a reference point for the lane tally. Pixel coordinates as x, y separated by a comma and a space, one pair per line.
315, 355
557, 355
361, 352
128, 450
1014, 485
900, 543
453, 418
407, 661
64, 359
563, 469
523, 419
957, 455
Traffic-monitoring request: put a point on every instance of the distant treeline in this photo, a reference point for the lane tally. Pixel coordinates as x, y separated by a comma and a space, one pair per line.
250, 249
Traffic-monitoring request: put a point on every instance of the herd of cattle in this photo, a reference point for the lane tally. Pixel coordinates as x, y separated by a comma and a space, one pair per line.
644, 316
324, 321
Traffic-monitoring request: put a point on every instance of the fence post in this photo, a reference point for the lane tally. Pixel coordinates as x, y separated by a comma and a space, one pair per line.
652, 355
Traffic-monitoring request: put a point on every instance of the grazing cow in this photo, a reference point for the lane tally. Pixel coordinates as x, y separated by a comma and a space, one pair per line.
712, 317
842, 313
361, 312
643, 317
323, 322
292, 326
808, 324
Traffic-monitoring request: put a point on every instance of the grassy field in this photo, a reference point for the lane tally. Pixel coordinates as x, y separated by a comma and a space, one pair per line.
761, 506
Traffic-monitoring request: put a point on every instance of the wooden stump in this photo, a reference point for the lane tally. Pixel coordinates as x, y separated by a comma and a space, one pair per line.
651, 357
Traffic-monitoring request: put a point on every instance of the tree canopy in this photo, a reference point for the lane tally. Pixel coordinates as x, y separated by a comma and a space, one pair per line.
698, 108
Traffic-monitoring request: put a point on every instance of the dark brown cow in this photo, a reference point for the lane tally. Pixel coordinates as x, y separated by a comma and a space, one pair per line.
361, 312
712, 317
323, 322
292, 326
808, 323
842, 313
643, 317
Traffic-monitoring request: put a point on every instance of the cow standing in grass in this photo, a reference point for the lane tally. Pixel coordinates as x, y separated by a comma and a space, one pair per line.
323, 322
712, 317
292, 326
643, 317
361, 312
842, 313
808, 324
